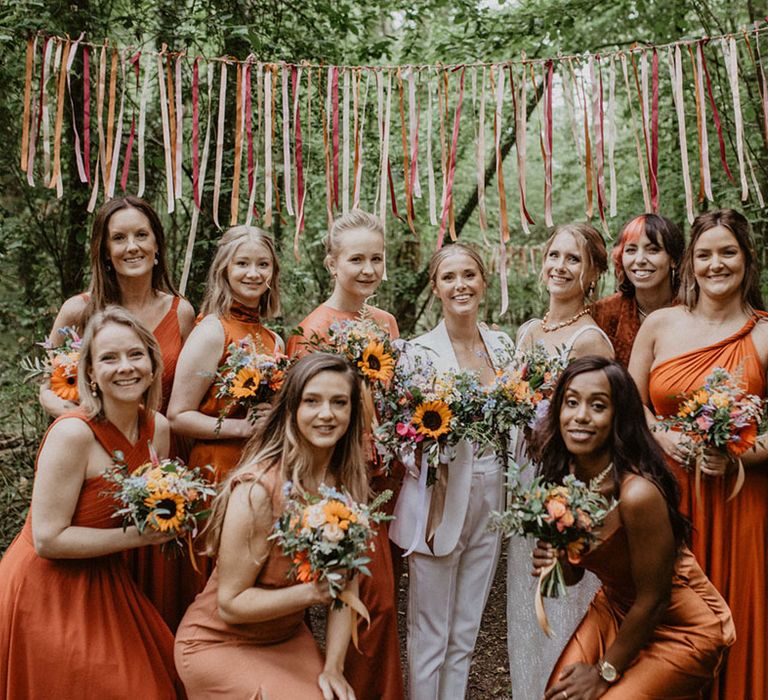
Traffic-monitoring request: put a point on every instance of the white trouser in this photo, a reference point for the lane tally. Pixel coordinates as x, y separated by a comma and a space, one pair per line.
446, 598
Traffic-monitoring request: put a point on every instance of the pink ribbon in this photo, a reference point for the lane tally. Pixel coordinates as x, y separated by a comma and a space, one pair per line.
87, 112
335, 133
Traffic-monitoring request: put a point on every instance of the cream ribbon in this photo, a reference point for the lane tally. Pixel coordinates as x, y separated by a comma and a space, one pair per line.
731, 58
633, 122
142, 128
704, 138
287, 170
46, 109
179, 130
483, 214
268, 146
115, 156
78, 149
219, 143
413, 129
676, 78
345, 143
611, 137
166, 135
430, 163
520, 133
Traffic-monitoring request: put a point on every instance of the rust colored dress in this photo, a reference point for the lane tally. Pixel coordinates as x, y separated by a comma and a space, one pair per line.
617, 316
686, 648
730, 539
272, 660
80, 628
374, 672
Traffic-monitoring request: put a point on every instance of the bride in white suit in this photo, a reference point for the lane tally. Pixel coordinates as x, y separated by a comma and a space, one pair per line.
449, 586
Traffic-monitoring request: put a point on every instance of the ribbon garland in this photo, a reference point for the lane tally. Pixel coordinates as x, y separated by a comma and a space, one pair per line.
343, 118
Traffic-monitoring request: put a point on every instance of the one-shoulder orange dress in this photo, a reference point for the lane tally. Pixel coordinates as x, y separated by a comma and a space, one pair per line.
273, 660
686, 648
80, 628
730, 539
374, 672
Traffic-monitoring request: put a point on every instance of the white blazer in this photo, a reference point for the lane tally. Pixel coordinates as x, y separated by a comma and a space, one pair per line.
436, 346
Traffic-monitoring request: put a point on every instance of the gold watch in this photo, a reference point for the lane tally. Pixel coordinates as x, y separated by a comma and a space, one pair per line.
607, 671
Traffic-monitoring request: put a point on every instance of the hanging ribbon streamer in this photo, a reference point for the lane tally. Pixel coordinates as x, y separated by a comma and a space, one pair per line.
325, 118
287, 170
633, 123
430, 163
249, 142
701, 130
547, 141
497, 126
142, 128
334, 76
56, 181
166, 135
100, 154
87, 112
715, 113
480, 156
29, 62
359, 131
135, 62
179, 130
406, 163
763, 83
611, 136
676, 78
587, 143
46, 109
35, 116
254, 151
106, 162
568, 88
520, 110
345, 146
115, 155
298, 154
654, 173
384, 157
442, 110
731, 58
78, 152
451, 161
239, 126
414, 118
198, 188
268, 197
196, 131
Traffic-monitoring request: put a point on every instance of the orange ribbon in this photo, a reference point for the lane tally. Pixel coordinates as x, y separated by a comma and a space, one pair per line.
107, 163
436, 505
541, 613
356, 608
737, 486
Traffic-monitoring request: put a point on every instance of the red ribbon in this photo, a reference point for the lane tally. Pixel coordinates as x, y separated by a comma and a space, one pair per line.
196, 131
654, 164
715, 113
87, 111
451, 161
335, 126
131, 135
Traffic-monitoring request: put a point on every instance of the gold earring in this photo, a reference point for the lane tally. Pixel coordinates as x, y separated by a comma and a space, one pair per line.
94, 388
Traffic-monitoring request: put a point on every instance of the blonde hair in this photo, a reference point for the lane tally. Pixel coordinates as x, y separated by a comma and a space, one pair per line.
92, 405
354, 219
593, 254
218, 294
457, 248
281, 445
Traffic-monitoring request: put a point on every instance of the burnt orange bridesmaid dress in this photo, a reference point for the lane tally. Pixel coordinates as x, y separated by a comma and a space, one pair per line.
617, 316
730, 539
688, 645
80, 628
273, 660
374, 672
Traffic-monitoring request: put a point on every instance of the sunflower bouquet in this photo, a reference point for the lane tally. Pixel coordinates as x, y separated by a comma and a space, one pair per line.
565, 516
719, 415
60, 366
366, 345
162, 495
248, 376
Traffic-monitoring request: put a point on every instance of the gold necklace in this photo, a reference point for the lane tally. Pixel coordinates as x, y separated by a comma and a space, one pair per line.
597, 482
548, 328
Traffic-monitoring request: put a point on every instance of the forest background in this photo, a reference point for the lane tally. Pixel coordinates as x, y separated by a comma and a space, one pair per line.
44, 240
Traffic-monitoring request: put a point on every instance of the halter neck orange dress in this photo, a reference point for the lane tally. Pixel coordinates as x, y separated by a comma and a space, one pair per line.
80, 628
273, 660
730, 539
374, 672
686, 648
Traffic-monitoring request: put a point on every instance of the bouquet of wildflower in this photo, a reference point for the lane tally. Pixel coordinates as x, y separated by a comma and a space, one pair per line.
366, 345
248, 376
161, 495
719, 415
520, 395
565, 516
328, 538
60, 366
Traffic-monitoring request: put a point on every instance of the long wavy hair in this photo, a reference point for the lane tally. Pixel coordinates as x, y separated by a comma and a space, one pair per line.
738, 225
662, 232
280, 445
92, 405
633, 448
218, 294
105, 288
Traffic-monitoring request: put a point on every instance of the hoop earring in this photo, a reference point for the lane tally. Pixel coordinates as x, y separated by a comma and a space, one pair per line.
94, 388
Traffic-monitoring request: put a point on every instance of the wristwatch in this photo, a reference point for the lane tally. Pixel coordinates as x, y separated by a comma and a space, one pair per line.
607, 671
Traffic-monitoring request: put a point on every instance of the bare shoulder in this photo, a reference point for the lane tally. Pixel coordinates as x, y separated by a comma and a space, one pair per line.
208, 332
185, 312
662, 317
71, 311
162, 431
250, 502
592, 341
640, 499
69, 436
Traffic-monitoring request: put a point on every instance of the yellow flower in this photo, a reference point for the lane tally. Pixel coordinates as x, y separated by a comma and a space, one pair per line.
336, 513
720, 400
432, 419
167, 510
377, 364
246, 383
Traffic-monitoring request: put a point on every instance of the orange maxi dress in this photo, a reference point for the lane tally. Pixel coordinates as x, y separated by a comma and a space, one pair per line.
273, 660
730, 539
158, 574
617, 316
80, 628
686, 648
374, 672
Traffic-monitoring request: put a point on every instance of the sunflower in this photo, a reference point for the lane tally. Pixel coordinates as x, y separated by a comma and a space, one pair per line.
64, 383
432, 419
246, 383
377, 364
167, 510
